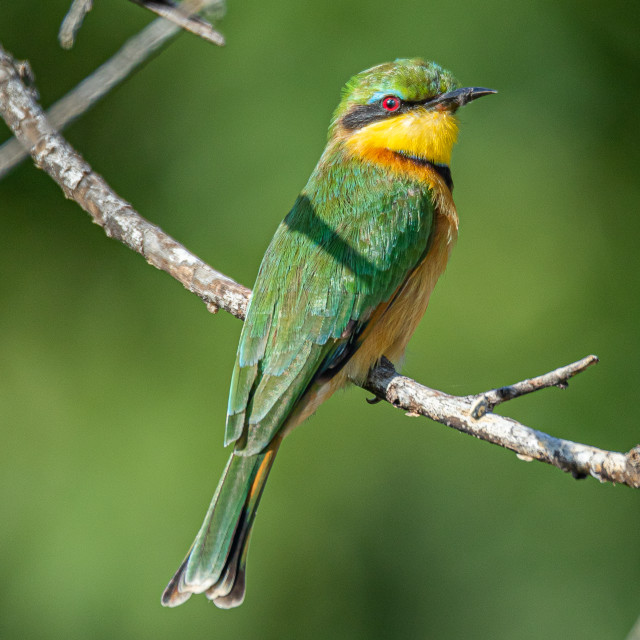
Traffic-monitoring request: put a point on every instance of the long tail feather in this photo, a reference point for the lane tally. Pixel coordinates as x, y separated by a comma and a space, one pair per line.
215, 563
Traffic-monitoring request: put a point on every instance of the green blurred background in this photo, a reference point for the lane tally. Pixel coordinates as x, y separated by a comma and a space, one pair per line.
374, 525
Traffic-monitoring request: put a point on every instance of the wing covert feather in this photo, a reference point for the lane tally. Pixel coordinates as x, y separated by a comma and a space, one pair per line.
331, 263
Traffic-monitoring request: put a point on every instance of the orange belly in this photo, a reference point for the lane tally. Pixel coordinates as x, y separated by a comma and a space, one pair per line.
391, 326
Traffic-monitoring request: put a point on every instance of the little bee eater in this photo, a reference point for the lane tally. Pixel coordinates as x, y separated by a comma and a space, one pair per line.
345, 281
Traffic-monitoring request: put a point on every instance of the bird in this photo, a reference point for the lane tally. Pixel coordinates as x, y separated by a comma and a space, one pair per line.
343, 283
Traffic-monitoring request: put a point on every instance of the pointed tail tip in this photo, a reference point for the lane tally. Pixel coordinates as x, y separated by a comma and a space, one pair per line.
227, 602
224, 598
216, 565
172, 596
226, 593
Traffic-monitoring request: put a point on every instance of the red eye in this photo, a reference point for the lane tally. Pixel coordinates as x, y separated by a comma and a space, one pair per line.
390, 103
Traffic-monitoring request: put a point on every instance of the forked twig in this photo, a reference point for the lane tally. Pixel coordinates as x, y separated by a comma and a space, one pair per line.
529, 444
489, 400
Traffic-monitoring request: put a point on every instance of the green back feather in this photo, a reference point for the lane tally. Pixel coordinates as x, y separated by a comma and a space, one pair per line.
349, 241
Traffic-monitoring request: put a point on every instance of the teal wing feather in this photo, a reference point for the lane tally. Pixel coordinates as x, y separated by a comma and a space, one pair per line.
332, 261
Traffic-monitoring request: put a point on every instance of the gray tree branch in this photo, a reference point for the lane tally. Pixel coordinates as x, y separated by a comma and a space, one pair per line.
93, 88
73, 21
469, 414
185, 16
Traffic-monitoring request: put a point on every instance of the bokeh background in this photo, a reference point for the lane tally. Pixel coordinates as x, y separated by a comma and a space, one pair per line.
114, 379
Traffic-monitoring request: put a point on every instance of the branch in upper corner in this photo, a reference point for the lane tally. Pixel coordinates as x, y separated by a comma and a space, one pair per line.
80, 99
73, 21
185, 16
55, 156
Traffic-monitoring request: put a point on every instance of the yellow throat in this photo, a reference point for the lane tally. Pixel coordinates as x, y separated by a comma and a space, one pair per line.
428, 134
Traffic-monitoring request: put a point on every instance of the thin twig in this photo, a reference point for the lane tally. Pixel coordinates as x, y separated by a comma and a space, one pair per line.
55, 156
81, 98
73, 21
185, 17
489, 400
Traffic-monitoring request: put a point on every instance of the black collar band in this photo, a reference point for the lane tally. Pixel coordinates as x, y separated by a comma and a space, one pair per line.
441, 169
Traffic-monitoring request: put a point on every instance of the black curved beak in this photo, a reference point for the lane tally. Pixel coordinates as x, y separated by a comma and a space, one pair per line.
453, 100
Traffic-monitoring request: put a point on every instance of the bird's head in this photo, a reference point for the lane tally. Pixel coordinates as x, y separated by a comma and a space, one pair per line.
405, 108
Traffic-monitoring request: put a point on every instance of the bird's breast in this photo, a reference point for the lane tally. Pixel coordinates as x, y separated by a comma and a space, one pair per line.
394, 321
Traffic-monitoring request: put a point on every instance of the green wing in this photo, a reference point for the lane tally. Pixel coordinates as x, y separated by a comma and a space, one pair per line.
332, 261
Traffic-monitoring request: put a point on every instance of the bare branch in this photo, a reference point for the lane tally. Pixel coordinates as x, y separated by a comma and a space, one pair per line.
80, 99
73, 21
53, 154
469, 414
134, 52
559, 378
185, 16
457, 411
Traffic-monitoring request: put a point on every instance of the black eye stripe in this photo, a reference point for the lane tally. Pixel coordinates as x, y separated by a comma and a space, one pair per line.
363, 114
